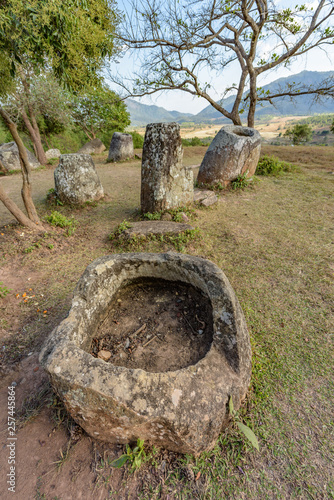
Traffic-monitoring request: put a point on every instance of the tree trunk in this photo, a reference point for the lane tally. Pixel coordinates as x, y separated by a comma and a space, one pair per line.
31, 124
46, 142
35, 136
25, 169
2, 168
17, 212
252, 101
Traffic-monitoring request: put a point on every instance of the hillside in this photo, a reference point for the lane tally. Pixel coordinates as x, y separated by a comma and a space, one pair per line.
142, 114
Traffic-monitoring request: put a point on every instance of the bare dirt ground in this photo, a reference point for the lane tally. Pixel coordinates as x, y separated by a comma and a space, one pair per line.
275, 243
156, 326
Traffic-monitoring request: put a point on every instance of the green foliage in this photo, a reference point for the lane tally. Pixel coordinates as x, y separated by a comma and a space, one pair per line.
4, 290
99, 111
71, 37
135, 457
122, 226
60, 220
241, 182
246, 431
152, 216
271, 165
174, 212
332, 127
299, 133
196, 141
138, 140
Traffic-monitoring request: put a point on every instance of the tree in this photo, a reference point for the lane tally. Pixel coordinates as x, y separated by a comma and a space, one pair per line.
72, 37
38, 105
301, 132
179, 40
99, 110
332, 127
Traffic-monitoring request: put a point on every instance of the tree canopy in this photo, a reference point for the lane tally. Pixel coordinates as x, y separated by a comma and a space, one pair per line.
73, 38
180, 39
99, 110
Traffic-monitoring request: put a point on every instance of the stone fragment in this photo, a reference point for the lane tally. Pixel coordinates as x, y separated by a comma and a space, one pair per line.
9, 157
207, 202
155, 227
105, 355
52, 153
234, 151
76, 179
121, 147
183, 410
205, 197
92, 147
184, 217
166, 217
165, 182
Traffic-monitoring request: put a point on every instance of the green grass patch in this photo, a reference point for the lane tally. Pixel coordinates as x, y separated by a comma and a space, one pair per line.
271, 165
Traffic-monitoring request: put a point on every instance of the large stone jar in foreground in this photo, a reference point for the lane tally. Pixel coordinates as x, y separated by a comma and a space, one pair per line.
76, 179
183, 410
234, 151
165, 182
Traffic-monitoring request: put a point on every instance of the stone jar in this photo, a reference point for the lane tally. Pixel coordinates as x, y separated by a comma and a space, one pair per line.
234, 151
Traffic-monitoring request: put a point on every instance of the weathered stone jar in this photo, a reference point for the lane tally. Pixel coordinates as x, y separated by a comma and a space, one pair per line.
183, 410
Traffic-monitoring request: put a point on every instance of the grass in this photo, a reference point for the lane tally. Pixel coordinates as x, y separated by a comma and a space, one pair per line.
275, 244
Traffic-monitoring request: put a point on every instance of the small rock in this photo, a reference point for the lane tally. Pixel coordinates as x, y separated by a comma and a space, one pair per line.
201, 194
127, 344
92, 147
209, 201
52, 153
167, 217
105, 355
200, 332
184, 217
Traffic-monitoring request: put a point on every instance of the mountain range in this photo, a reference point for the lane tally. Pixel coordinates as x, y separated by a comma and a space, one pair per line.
142, 114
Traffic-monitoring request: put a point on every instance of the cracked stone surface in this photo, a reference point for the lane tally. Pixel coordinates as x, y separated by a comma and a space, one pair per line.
76, 179
165, 182
234, 151
121, 147
9, 157
183, 410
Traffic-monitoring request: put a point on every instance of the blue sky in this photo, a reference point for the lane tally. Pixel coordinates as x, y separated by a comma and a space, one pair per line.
316, 60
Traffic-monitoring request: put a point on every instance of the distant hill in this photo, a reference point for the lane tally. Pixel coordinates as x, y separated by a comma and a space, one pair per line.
142, 114
301, 105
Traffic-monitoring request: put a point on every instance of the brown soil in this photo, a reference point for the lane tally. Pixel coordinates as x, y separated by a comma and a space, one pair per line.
157, 326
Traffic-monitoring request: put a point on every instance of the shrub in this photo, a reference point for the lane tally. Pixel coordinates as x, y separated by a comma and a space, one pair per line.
271, 165
138, 140
241, 182
196, 141
60, 220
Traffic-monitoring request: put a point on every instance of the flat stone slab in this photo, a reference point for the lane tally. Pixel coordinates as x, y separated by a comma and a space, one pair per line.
183, 410
155, 227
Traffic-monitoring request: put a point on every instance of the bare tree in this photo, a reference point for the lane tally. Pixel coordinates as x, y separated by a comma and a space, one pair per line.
179, 39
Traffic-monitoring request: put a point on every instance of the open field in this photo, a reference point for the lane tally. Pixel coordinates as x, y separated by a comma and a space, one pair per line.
275, 242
